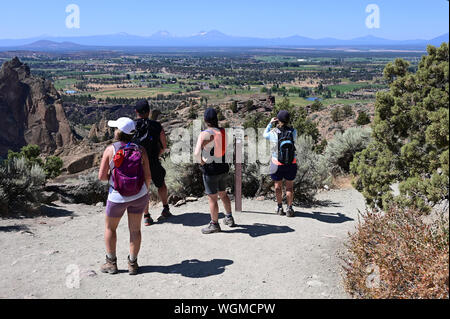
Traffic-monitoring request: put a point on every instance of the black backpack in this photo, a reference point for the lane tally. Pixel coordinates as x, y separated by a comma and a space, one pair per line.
148, 136
286, 146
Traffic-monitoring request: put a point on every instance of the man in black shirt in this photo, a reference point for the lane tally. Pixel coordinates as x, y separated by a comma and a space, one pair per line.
150, 135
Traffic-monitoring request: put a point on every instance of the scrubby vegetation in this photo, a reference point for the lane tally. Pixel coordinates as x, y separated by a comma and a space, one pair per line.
31, 154
22, 179
21, 187
410, 136
342, 148
397, 255
398, 251
313, 172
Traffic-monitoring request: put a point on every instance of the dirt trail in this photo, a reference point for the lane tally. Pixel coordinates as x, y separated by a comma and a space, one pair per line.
266, 256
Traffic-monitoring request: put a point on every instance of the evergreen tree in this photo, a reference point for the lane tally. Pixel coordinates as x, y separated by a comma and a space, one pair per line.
410, 136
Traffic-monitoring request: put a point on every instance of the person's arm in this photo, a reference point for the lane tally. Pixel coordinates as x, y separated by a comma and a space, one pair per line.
163, 139
198, 150
266, 134
202, 141
103, 173
146, 165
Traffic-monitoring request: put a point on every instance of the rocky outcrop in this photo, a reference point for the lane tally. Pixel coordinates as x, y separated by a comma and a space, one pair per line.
31, 111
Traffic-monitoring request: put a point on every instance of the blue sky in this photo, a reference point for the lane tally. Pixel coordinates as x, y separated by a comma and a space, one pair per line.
399, 19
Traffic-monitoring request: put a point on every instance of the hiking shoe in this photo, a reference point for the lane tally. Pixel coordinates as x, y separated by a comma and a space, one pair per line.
280, 211
133, 267
148, 220
110, 267
290, 212
212, 228
229, 221
165, 214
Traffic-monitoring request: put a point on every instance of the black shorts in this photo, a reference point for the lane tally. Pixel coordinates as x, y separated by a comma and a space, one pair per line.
215, 183
158, 173
286, 172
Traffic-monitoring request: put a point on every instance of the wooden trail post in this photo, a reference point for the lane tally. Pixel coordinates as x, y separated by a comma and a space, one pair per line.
239, 137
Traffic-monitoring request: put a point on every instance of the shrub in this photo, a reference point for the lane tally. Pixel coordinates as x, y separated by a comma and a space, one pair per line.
347, 111
184, 179
321, 147
336, 114
312, 171
30, 153
52, 166
363, 119
410, 136
251, 179
233, 107
249, 105
192, 113
316, 106
397, 255
342, 148
20, 186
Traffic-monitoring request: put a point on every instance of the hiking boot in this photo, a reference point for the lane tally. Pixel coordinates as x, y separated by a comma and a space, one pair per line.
212, 228
165, 214
229, 221
133, 267
290, 212
280, 211
110, 267
148, 220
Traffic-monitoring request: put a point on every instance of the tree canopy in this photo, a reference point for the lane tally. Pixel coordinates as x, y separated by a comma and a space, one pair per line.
410, 136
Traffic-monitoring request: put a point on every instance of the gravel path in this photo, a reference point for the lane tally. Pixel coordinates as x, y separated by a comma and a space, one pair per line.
266, 256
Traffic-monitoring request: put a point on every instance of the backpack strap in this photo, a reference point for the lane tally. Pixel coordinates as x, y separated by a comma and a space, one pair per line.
117, 146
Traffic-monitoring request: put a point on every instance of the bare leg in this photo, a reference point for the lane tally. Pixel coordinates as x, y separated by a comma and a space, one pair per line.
290, 192
214, 207
279, 191
163, 194
226, 202
111, 225
134, 225
146, 210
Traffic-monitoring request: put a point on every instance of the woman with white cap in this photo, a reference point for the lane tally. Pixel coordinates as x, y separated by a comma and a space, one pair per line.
125, 166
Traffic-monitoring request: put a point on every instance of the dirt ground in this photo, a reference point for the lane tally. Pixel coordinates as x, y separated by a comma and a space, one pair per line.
265, 256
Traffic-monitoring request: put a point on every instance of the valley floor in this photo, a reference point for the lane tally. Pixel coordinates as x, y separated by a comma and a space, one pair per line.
265, 256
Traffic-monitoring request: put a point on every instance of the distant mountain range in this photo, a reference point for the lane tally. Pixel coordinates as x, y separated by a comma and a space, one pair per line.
203, 39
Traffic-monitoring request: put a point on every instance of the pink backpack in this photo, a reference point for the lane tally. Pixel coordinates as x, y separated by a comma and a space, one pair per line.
127, 169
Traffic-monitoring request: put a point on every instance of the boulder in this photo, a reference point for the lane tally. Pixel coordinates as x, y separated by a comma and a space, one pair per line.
83, 163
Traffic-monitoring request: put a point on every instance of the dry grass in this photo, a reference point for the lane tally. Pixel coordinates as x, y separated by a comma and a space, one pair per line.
341, 182
397, 255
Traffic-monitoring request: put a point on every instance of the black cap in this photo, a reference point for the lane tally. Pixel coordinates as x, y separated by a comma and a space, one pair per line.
283, 116
211, 116
142, 107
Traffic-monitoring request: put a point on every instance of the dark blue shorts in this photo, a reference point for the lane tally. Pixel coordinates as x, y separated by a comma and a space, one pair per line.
280, 172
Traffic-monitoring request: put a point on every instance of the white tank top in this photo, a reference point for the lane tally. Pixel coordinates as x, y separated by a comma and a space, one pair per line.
114, 196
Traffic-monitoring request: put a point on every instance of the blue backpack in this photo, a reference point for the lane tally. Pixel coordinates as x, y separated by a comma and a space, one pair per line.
286, 146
